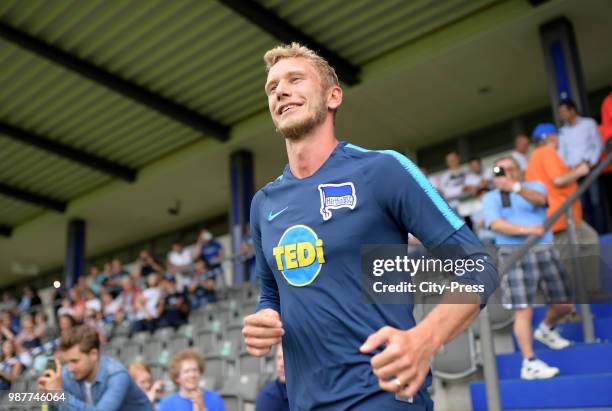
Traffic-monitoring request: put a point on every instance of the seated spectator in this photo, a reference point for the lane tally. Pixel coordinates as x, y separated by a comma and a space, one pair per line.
92, 381
146, 265
92, 302
141, 374
30, 299
104, 277
9, 372
92, 280
521, 151
201, 286
516, 210
40, 325
27, 337
147, 305
247, 249
66, 323
117, 277
8, 302
95, 320
186, 368
180, 258
452, 180
8, 327
273, 396
173, 308
65, 308
111, 307
77, 303
128, 296
477, 180
210, 250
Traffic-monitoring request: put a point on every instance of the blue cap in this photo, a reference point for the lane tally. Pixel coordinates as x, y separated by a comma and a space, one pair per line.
543, 130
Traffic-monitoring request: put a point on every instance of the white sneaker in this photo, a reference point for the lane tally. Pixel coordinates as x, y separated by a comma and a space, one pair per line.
535, 369
550, 337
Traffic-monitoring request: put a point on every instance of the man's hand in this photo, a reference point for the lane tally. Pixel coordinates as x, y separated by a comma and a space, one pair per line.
404, 363
537, 229
51, 380
261, 331
583, 169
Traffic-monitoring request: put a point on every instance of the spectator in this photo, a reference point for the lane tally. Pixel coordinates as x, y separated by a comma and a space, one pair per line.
8, 302
27, 337
30, 299
92, 280
111, 307
104, 277
95, 320
186, 368
40, 325
90, 380
273, 396
452, 180
9, 372
77, 301
210, 250
547, 167
92, 302
202, 285
147, 305
580, 143
180, 258
66, 323
141, 374
516, 210
173, 308
65, 308
8, 327
247, 249
117, 276
146, 265
477, 180
521, 150
128, 296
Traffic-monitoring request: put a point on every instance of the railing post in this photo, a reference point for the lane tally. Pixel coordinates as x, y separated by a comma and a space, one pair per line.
585, 310
489, 362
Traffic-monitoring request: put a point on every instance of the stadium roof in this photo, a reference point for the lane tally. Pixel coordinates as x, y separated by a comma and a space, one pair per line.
111, 110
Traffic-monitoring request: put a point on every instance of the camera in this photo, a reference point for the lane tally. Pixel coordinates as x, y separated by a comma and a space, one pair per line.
499, 171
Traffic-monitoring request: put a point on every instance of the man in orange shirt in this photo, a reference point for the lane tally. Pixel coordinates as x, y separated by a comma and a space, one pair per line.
547, 167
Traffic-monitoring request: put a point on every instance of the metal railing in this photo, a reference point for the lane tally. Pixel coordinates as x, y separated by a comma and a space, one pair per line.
488, 350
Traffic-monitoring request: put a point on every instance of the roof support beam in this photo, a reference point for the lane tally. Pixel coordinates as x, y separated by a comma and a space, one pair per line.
279, 28
89, 160
32, 198
137, 93
5, 230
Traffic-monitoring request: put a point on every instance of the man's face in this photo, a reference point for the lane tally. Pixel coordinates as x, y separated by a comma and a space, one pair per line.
512, 172
475, 166
81, 364
189, 375
296, 100
521, 143
452, 160
566, 113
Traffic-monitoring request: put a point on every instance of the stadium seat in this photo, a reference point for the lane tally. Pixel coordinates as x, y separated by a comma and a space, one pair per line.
251, 365
239, 390
215, 368
164, 334
124, 329
178, 343
456, 359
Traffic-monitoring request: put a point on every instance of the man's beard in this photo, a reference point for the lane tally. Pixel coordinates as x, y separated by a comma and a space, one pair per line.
297, 130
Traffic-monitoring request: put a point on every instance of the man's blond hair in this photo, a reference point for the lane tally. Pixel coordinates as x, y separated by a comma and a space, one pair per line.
326, 72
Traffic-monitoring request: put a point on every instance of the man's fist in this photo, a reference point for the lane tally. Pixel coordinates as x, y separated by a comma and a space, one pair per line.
261, 331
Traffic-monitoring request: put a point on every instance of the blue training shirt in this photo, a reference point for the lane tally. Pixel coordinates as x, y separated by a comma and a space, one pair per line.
308, 235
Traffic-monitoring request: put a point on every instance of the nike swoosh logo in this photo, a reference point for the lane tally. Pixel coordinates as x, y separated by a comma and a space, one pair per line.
273, 216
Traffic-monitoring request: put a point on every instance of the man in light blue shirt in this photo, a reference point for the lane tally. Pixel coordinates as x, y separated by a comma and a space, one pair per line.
580, 142
514, 211
90, 381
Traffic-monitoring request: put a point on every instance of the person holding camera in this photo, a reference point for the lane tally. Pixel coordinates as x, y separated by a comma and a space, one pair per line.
89, 380
514, 211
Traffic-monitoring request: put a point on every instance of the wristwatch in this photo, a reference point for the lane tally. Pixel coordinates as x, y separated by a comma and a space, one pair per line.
516, 187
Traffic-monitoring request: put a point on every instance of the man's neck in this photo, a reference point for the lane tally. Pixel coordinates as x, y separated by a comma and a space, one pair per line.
307, 154
94, 373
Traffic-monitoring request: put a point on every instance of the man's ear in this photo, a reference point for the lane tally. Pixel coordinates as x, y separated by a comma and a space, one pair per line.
334, 97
